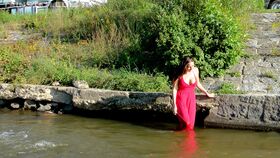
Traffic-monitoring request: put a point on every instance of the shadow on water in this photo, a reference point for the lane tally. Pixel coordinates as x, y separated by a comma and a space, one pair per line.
147, 118
138, 116
150, 119
142, 118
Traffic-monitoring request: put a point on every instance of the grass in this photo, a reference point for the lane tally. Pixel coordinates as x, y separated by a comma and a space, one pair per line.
82, 44
269, 88
269, 74
228, 88
275, 52
234, 74
242, 9
46, 71
275, 25
270, 10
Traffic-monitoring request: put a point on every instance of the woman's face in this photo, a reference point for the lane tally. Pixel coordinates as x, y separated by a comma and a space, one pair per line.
190, 66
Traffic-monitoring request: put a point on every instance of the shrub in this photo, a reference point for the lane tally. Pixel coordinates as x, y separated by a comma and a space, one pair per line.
203, 32
12, 66
153, 36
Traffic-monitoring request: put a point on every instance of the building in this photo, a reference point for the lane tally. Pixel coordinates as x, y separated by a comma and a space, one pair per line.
34, 6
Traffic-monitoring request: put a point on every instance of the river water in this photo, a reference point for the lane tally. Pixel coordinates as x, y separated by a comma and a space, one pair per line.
41, 135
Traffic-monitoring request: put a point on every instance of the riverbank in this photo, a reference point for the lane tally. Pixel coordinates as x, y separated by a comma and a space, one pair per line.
242, 111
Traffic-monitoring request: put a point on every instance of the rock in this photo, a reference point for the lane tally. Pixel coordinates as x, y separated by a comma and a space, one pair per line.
80, 84
68, 108
7, 91
43, 108
2, 103
56, 83
96, 99
54, 105
259, 112
34, 92
15, 105
29, 104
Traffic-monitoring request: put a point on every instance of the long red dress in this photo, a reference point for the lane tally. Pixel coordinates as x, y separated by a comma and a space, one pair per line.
186, 103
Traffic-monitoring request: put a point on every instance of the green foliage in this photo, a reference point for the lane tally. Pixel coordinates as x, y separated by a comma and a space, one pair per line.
125, 45
6, 17
45, 71
234, 74
12, 66
240, 7
228, 88
203, 32
241, 10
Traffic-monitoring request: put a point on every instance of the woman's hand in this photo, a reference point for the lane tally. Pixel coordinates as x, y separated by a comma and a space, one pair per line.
210, 95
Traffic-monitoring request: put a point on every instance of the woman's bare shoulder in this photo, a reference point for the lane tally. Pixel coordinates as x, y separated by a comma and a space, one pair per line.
196, 70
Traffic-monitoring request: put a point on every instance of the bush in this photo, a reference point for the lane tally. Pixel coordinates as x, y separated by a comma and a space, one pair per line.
202, 31
153, 36
12, 66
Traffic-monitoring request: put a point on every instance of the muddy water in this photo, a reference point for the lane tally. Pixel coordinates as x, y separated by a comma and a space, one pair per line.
30, 134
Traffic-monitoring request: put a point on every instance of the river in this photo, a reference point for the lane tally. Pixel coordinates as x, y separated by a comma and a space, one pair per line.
28, 134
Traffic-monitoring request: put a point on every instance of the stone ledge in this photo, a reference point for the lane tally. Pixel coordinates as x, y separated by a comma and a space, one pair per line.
244, 111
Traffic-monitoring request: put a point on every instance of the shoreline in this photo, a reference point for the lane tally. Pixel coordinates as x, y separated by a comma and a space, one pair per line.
236, 111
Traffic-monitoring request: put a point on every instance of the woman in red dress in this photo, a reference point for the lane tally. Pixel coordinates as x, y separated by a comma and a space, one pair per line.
184, 99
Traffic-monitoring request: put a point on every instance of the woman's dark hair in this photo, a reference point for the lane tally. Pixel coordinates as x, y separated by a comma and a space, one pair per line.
181, 69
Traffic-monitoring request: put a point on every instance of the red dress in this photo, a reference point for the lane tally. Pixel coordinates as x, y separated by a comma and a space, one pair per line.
186, 103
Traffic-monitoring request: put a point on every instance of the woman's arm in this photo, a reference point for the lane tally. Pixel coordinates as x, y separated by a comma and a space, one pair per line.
175, 89
199, 85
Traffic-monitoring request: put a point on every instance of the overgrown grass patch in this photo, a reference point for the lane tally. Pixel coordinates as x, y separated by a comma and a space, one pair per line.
269, 74
228, 88
234, 74
46, 71
275, 52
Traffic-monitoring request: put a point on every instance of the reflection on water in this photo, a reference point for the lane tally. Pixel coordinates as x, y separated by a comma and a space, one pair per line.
189, 145
29, 134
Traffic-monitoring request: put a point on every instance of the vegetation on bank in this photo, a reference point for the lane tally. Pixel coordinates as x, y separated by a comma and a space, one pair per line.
125, 45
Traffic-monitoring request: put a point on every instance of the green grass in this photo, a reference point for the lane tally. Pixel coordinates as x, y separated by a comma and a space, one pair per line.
234, 74
242, 9
228, 88
46, 71
270, 11
83, 44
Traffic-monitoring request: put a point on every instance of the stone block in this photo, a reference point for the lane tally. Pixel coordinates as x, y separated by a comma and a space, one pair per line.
29, 104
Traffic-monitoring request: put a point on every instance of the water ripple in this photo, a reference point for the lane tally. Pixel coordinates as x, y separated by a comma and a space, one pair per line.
21, 143
8, 137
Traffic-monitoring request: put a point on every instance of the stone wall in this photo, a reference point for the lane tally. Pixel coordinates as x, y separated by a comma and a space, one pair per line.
259, 71
261, 112
87, 99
